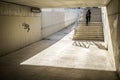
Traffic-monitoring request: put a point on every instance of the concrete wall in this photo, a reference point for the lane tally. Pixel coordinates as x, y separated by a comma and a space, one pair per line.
71, 15
52, 21
55, 19
114, 22
107, 35
13, 35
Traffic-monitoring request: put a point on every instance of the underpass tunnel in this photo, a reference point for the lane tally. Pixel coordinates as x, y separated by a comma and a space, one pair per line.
52, 35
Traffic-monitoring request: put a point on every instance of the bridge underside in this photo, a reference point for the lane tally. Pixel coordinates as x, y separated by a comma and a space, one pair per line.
60, 3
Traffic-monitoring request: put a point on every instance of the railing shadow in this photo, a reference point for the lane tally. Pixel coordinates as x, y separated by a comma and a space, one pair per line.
100, 46
87, 44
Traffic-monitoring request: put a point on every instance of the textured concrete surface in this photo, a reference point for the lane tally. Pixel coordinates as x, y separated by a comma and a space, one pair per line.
52, 17
113, 10
60, 3
107, 30
58, 58
13, 34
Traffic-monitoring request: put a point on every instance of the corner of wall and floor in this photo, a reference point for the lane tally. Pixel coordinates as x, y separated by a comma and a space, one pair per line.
113, 11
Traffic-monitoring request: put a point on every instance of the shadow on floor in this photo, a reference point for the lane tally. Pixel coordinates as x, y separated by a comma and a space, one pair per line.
87, 44
55, 73
100, 46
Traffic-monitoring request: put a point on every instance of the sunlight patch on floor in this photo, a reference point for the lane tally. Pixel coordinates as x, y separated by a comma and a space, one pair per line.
65, 54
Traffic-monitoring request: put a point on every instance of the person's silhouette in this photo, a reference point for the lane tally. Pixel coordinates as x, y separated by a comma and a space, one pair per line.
88, 16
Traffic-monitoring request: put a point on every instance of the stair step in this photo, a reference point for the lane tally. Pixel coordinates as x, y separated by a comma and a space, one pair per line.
88, 39
89, 33
87, 27
89, 36
81, 33
90, 27
90, 24
94, 30
85, 30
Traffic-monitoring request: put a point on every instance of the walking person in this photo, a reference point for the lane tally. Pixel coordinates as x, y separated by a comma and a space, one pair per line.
88, 17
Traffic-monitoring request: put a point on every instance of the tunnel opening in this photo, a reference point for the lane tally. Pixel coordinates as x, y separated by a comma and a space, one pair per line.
76, 53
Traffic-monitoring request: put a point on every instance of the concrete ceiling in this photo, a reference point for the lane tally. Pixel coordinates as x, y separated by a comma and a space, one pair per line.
60, 3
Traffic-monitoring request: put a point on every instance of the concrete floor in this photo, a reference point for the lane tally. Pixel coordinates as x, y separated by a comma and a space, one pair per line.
57, 57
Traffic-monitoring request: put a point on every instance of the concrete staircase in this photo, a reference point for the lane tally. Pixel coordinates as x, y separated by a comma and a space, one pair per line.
94, 31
